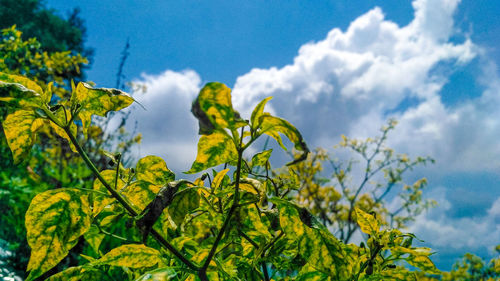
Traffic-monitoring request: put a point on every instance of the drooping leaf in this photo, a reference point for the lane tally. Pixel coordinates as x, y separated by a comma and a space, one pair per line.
54, 221
368, 223
131, 255
273, 126
213, 149
183, 203
97, 101
160, 274
261, 158
214, 110
19, 128
252, 224
79, 273
154, 170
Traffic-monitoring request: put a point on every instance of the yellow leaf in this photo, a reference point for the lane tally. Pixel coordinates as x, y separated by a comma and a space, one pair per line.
367, 222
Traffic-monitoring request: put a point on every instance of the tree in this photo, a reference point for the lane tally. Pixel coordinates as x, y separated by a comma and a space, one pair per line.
55, 34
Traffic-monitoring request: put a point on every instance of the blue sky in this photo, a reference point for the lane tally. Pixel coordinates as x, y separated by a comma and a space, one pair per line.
334, 67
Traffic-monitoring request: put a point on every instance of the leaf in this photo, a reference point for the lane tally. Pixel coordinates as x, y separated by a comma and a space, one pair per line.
54, 221
214, 110
97, 101
19, 128
160, 274
23, 91
218, 178
273, 126
79, 273
368, 223
424, 263
141, 193
131, 255
183, 203
252, 224
94, 237
257, 113
261, 158
154, 170
99, 199
316, 245
213, 150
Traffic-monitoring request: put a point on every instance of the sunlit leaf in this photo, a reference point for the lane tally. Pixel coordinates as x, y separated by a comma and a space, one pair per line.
131, 255
97, 101
213, 149
273, 126
261, 158
54, 222
19, 128
154, 170
213, 109
257, 113
22, 91
100, 200
368, 223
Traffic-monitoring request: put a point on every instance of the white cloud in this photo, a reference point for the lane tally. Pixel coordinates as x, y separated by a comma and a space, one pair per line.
167, 126
462, 234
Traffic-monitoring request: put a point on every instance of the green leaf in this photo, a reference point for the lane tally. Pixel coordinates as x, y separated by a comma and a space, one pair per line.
213, 150
273, 126
54, 221
141, 193
252, 224
23, 91
368, 223
160, 274
261, 158
97, 101
20, 128
214, 110
316, 245
94, 237
184, 202
257, 112
131, 255
79, 273
154, 170
100, 200
424, 263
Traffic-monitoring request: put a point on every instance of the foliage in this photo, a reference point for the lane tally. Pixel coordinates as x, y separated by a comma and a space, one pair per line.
239, 226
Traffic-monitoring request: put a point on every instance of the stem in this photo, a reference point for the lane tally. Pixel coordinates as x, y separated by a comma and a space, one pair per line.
202, 271
123, 202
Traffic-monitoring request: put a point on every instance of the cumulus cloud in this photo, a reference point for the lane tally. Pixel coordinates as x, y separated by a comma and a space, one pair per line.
473, 234
167, 127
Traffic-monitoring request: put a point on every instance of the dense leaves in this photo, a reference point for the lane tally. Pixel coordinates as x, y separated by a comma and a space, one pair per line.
142, 224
